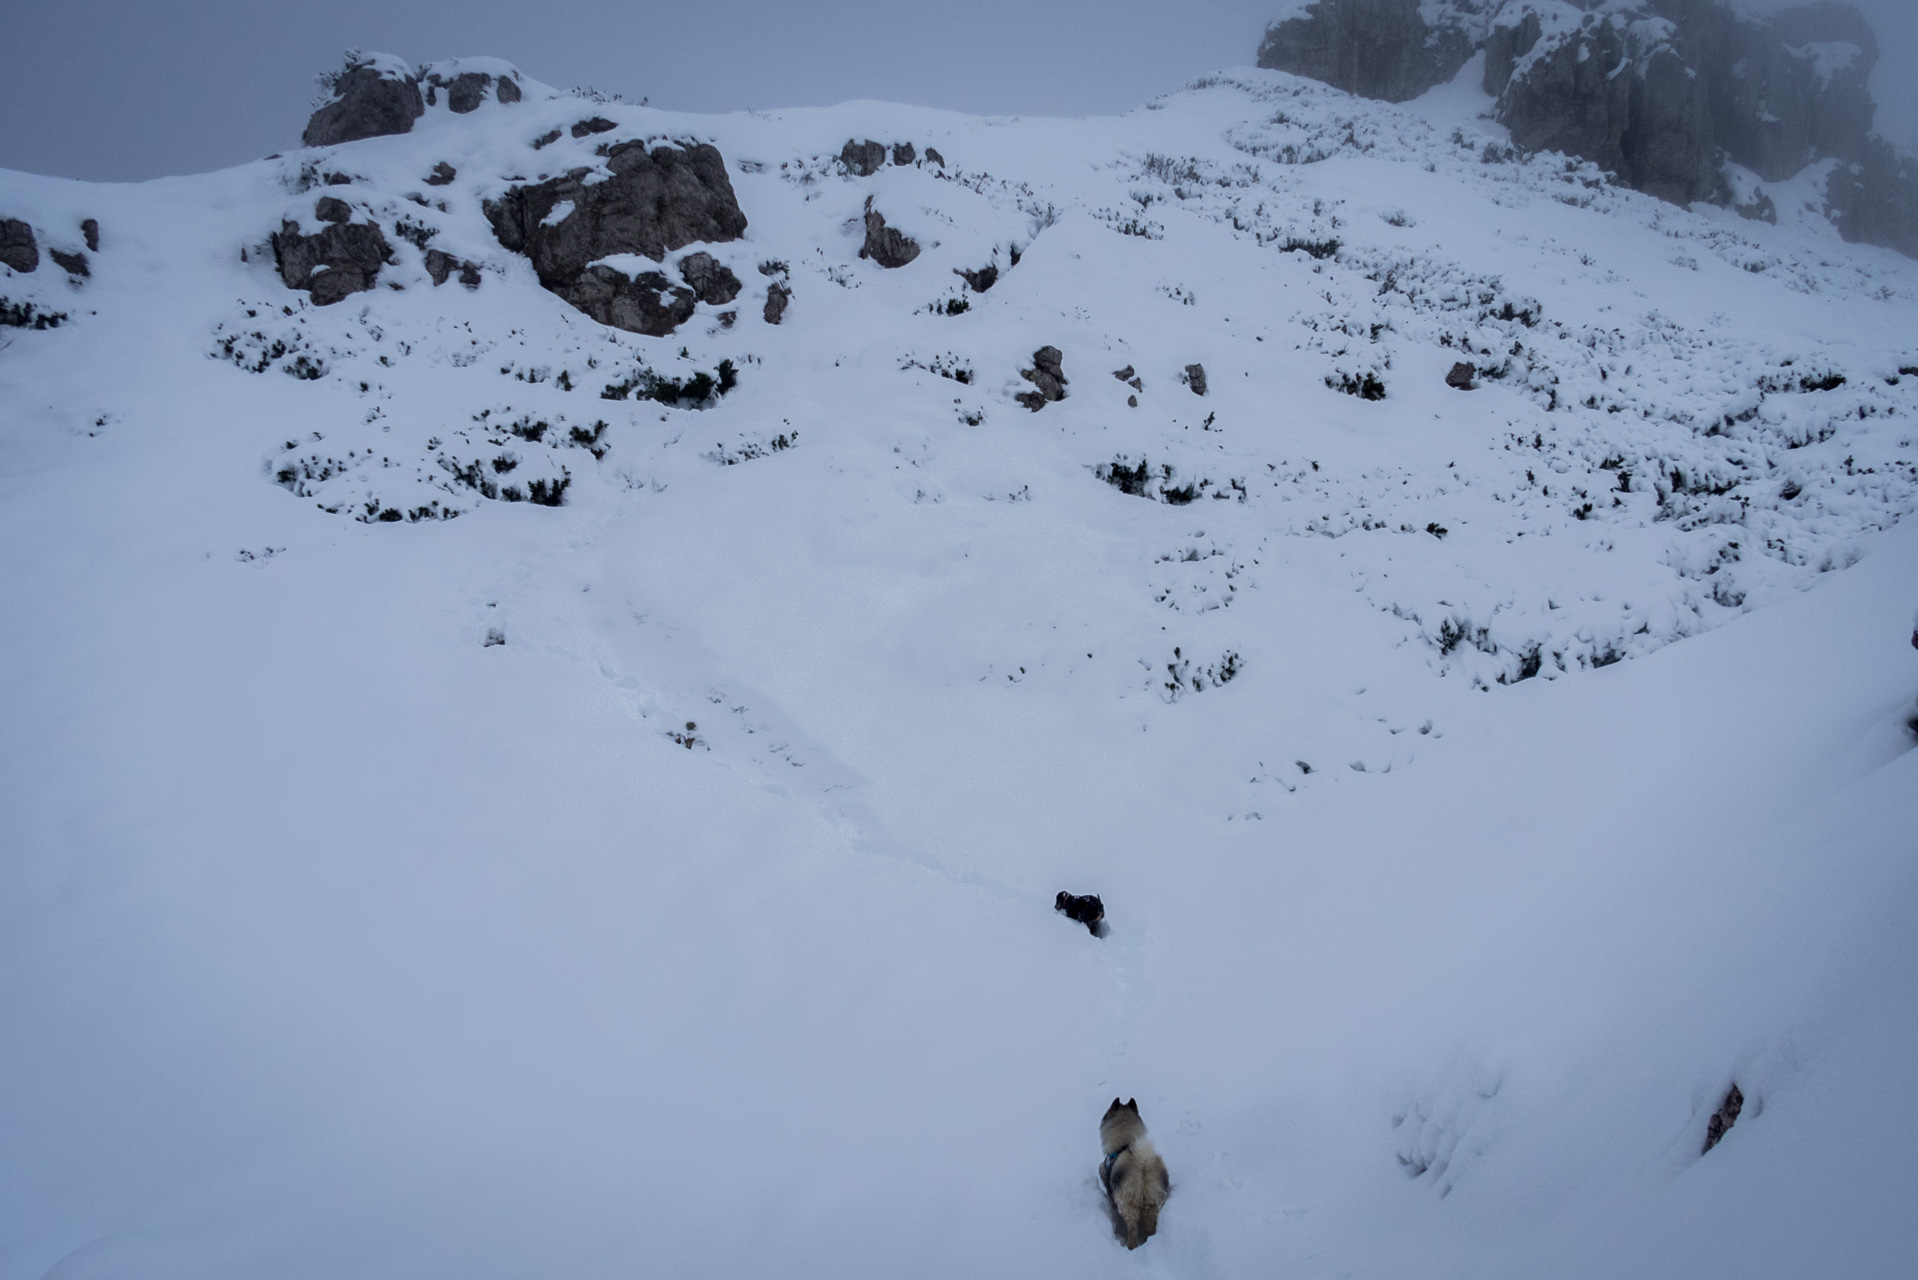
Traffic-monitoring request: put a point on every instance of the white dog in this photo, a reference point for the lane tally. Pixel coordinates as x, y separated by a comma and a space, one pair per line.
1133, 1174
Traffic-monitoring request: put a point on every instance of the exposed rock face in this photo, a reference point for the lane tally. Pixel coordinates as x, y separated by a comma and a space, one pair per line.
90, 232
1195, 378
1724, 1118
887, 246
344, 258
655, 202
1652, 90
442, 174
1374, 48
1463, 377
371, 99
466, 90
933, 157
332, 209
71, 263
981, 280
1048, 375
18, 249
903, 153
710, 279
863, 159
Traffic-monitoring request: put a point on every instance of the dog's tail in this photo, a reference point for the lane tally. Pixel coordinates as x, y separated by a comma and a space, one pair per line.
1148, 1222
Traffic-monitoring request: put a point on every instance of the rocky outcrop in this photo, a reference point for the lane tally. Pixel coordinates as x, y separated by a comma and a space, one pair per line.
655, 202
1463, 376
442, 175
980, 280
1048, 375
440, 266
372, 97
1375, 48
1655, 91
710, 280
342, 259
1195, 378
18, 248
887, 246
778, 297
72, 263
863, 159
90, 232
465, 90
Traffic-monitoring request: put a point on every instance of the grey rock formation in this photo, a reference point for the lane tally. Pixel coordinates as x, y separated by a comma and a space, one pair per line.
778, 298
933, 157
981, 280
71, 263
442, 265
90, 232
863, 159
367, 103
442, 174
1463, 377
18, 248
711, 280
887, 246
332, 209
342, 259
508, 91
657, 201
1655, 91
1195, 378
1374, 48
1048, 375
598, 124
903, 153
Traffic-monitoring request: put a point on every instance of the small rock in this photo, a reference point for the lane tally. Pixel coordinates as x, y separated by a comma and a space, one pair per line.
508, 90
440, 265
72, 263
368, 102
711, 281
337, 180
778, 297
862, 159
1195, 378
1463, 377
442, 174
1724, 1118
598, 124
18, 249
934, 156
1048, 375
90, 230
467, 91
887, 246
1132, 401
1126, 374
546, 139
903, 153
981, 280
332, 209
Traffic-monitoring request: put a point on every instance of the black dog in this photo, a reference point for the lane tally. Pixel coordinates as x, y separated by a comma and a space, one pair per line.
1086, 909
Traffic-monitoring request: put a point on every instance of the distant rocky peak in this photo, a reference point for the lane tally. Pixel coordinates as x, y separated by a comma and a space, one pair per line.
1661, 93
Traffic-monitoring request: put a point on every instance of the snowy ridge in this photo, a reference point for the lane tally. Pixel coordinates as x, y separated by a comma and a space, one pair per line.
526, 755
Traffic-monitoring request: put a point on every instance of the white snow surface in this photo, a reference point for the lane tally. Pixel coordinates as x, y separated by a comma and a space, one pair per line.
661, 883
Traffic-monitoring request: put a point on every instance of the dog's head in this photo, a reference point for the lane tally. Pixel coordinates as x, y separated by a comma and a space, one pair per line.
1121, 1126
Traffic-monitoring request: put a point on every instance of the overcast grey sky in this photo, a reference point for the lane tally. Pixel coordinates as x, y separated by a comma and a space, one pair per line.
129, 89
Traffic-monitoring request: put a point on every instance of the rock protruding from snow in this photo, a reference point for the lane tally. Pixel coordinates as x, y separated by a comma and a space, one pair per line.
342, 259
887, 246
655, 202
1195, 378
980, 280
18, 249
1463, 377
863, 159
779, 296
1724, 1118
74, 263
903, 153
1875, 200
440, 265
1374, 48
466, 90
372, 97
90, 232
1048, 375
442, 175
711, 280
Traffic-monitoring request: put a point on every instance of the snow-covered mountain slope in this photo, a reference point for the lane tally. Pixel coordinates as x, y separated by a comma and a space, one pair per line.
407, 877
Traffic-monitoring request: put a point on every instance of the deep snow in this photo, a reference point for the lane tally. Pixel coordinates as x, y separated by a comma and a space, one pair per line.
338, 939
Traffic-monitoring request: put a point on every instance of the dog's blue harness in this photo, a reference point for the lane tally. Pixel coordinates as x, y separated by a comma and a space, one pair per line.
1105, 1170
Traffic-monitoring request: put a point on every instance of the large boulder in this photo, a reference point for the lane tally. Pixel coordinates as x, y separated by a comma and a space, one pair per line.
372, 97
887, 246
1374, 48
655, 202
863, 159
1048, 375
341, 259
710, 279
18, 248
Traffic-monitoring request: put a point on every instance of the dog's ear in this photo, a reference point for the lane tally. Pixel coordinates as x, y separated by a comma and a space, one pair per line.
1132, 1105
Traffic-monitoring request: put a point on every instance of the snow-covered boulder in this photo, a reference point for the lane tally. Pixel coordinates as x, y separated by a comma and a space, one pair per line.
18, 249
340, 259
373, 95
887, 246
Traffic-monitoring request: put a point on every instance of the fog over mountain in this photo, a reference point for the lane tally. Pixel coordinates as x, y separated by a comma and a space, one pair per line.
118, 89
